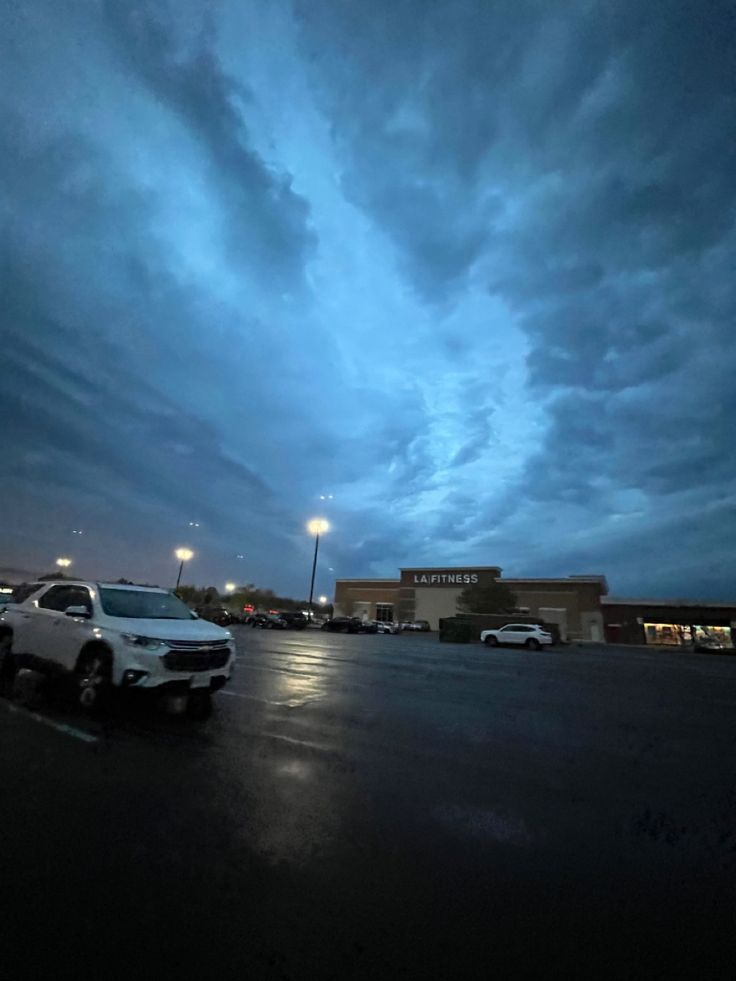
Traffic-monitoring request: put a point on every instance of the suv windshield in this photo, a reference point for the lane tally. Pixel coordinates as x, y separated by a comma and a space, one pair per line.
142, 605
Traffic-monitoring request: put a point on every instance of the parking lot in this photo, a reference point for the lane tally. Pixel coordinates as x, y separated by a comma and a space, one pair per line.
383, 807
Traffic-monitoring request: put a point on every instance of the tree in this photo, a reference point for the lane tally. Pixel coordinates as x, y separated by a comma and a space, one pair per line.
191, 595
495, 597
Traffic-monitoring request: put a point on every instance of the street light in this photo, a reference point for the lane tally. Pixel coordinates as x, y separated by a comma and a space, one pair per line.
183, 555
316, 527
63, 563
322, 600
230, 587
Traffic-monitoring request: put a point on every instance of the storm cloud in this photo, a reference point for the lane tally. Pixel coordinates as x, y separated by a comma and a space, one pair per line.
465, 266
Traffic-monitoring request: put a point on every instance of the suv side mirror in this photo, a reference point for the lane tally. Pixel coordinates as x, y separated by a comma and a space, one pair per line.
78, 611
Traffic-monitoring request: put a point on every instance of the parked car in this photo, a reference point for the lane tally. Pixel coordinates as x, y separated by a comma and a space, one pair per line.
417, 625
345, 625
215, 614
267, 621
102, 636
383, 627
524, 634
295, 619
239, 616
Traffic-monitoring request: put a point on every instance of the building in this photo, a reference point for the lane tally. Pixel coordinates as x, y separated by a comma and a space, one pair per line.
421, 593
669, 623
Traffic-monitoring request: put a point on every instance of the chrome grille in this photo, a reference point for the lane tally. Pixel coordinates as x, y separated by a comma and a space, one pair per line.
198, 645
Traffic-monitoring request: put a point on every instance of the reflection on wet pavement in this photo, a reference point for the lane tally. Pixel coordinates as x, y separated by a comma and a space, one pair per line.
368, 806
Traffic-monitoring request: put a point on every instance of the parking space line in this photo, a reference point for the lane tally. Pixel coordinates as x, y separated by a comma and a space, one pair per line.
86, 737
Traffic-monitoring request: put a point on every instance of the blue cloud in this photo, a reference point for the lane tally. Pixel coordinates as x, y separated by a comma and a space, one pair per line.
464, 266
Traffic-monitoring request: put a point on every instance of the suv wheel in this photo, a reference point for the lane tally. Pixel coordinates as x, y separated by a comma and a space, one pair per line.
492, 641
533, 644
92, 678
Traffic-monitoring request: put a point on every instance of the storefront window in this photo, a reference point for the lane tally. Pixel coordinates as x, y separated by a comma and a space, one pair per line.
715, 637
385, 612
672, 634
679, 635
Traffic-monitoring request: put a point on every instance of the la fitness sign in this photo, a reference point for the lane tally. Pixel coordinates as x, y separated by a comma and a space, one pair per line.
445, 578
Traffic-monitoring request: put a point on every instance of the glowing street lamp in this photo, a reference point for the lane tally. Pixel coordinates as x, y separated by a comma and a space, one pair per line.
322, 600
316, 527
63, 563
183, 555
230, 587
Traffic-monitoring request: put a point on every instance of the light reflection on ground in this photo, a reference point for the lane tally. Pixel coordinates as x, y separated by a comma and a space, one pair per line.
298, 686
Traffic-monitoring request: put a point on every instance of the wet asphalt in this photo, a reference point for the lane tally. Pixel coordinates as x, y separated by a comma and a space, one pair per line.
382, 807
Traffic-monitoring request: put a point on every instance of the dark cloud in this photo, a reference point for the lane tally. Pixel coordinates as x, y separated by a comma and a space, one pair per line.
267, 220
593, 186
479, 437
466, 264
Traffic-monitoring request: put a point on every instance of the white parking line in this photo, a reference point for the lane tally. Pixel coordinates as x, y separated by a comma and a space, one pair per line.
86, 737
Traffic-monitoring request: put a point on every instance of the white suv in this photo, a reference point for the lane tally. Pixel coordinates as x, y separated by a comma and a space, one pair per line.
527, 634
101, 634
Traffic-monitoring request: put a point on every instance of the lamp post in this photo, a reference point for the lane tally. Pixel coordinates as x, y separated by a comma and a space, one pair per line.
183, 555
316, 527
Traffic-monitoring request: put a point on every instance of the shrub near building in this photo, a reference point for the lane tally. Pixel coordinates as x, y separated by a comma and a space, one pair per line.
492, 597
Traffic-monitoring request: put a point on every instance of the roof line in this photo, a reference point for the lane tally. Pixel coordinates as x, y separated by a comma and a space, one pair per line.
447, 568
618, 601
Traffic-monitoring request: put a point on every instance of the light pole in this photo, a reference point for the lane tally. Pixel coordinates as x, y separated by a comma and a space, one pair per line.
183, 555
316, 527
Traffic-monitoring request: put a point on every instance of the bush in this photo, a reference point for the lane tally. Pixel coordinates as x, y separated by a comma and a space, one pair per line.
458, 631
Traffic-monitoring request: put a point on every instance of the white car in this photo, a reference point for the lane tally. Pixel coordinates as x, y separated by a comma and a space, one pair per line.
103, 635
384, 627
421, 626
525, 634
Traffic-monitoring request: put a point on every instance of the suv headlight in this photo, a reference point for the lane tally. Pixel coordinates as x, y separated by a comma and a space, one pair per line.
149, 643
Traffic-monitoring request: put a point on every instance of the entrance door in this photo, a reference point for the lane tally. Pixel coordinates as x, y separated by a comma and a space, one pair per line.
592, 627
555, 614
362, 611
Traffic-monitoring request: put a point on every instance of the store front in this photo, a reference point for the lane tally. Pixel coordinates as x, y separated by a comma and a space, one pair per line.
684, 635
674, 623
432, 594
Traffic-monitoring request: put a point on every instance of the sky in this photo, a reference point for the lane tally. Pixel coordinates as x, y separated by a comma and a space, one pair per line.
457, 276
